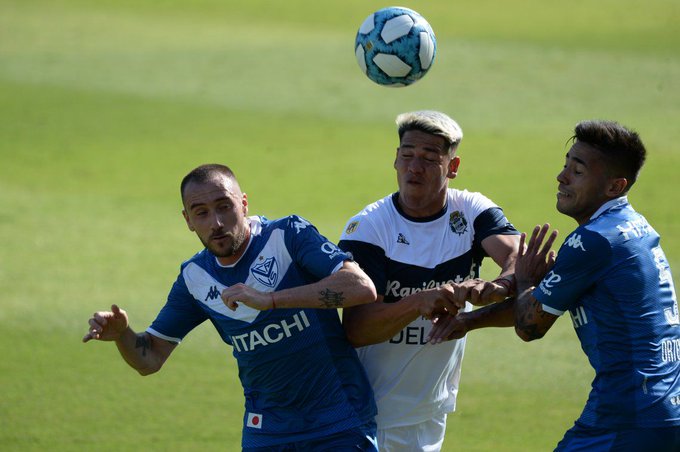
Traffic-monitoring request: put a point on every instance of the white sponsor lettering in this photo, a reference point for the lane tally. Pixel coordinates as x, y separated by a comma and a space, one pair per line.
578, 317
574, 241
330, 249
271, 334
665, 278
395, 289
670, 350
632, 229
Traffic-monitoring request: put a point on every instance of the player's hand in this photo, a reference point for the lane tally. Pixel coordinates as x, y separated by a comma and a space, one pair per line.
446, 327
435, 301
107, 325
535, 258
478, 292
240, 293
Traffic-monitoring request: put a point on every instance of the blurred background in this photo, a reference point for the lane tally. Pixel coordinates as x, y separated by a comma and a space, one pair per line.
105, 106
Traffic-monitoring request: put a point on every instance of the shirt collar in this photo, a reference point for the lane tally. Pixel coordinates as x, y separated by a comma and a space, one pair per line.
616, 202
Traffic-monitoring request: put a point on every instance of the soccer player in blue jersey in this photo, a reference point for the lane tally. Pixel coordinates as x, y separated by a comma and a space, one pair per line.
613, 278
260, 283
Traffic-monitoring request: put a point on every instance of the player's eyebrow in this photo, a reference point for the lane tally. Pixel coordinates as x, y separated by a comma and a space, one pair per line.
581, 161
578, 160
201, 204
425, 148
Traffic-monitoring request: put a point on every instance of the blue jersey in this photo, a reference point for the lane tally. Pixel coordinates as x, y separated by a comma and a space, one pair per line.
613, 277
301, 378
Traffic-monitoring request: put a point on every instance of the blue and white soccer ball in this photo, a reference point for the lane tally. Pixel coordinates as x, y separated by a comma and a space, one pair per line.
395, 46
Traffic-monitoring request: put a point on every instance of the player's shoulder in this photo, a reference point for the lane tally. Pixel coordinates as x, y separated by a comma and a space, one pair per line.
371, 218
620, 224
289, 222
461, 199
587, 240
200, 258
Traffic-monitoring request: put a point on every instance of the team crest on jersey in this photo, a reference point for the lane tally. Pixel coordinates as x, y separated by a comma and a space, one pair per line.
352, 227
457, 222
266, 271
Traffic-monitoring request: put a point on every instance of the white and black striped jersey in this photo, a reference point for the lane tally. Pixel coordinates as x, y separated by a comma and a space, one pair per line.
411, 379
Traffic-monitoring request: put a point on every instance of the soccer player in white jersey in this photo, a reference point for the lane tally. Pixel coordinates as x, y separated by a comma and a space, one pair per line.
259, 282
614, 279
422, 247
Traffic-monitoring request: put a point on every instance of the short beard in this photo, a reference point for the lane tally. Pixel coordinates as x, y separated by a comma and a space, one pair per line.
236, 244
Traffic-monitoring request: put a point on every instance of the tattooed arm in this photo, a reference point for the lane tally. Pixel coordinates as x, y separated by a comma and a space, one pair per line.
143, 352
531, 322
347, 287
533, 262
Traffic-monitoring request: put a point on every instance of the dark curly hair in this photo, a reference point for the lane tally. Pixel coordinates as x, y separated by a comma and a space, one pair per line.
621, 148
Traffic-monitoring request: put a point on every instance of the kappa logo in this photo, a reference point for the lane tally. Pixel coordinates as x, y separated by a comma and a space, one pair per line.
213, 293
457, 222
266, 271
574, 241
352, 227
301, 224
402, 239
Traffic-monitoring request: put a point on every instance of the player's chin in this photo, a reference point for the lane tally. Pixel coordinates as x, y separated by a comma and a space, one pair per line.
222, 248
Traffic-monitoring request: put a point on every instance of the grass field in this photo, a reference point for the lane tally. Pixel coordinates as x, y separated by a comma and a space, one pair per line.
105, 105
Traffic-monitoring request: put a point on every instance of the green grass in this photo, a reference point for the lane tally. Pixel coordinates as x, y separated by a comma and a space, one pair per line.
105, 106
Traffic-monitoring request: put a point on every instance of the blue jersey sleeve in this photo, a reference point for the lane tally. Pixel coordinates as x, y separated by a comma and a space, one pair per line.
180, 314
582, 258
312, 251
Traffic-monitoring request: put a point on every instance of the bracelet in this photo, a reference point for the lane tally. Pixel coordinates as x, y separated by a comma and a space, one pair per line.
506, 282
271, 294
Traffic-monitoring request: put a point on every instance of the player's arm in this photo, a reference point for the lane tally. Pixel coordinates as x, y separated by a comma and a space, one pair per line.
503, 250
378, 322
533, 262
447, 327
349, 286
142, 351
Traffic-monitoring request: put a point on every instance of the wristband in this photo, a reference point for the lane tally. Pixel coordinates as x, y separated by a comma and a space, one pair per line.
507, 282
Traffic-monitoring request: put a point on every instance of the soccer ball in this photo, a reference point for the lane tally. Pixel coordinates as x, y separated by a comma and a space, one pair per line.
395, 46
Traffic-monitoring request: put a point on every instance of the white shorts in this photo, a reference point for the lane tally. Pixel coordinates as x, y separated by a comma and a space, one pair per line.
427, 436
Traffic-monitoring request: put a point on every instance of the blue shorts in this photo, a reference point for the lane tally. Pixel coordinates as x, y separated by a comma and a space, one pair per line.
584, 438
357, 439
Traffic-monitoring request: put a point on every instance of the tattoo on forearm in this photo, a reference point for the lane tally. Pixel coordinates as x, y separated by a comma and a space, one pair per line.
529, 316
143, 342
331, 299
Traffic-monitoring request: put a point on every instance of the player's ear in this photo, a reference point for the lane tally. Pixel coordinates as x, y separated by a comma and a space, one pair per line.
617, 186
453, 167
244, 202
396, 156
186, 218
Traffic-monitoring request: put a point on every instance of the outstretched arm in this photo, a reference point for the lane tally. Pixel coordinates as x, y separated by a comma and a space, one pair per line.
447, 327
503, 250
349, 286
533, 262
377, 322
142, 351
